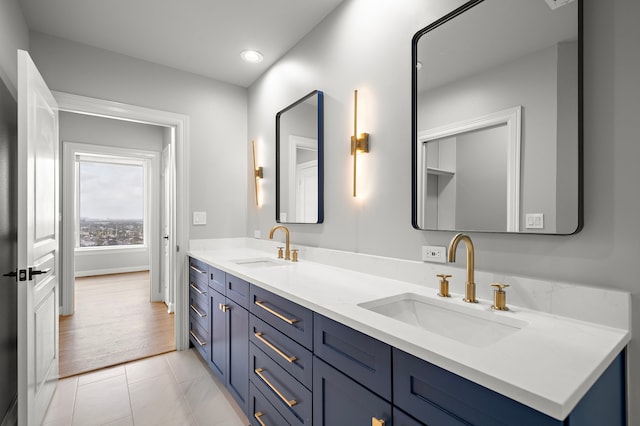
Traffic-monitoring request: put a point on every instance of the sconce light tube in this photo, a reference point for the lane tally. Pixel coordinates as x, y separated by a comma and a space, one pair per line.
359, 143
257, 172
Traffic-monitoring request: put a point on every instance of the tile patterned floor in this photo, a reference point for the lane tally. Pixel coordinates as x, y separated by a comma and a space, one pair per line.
171, 389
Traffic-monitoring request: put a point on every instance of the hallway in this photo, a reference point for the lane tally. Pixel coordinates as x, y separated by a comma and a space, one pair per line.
113, 323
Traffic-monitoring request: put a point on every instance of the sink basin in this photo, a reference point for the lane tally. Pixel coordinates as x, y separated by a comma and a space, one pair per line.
474, 327
259, 263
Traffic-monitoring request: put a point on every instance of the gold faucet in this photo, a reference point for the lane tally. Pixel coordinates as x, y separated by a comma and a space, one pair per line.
470, 288
287, 252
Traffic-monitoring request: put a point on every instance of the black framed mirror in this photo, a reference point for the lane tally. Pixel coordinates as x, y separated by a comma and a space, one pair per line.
497, 118
300, 161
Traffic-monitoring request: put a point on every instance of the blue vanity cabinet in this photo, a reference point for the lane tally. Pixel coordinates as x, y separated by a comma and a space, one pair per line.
341, 401
290, 397
261, 411
363, 358
218, 335
229, 335
281, 363
284, 315
198, 307
351, 376
294, 358
436, 396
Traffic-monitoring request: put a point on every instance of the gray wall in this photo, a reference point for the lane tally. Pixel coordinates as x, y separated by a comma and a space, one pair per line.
217, 119
369, 48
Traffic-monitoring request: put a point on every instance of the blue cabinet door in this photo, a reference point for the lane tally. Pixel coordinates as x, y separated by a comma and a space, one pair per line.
237, 380
340, 401
218, 335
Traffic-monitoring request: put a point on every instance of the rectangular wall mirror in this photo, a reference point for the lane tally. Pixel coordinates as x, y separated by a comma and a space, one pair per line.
299, 161
497, 119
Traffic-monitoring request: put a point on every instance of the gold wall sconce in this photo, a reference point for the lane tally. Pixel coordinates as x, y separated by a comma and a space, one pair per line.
258, 173
359, 143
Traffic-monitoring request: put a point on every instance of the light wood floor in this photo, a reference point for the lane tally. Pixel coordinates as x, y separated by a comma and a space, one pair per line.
113, 323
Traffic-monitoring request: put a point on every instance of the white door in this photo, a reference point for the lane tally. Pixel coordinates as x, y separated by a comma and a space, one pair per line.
167, 228
307, 192
37, 243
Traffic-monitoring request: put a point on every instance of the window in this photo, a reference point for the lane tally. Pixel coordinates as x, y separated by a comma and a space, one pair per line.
110, 201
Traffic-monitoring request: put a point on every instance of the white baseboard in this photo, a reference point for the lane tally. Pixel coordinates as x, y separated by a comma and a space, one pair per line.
111, 271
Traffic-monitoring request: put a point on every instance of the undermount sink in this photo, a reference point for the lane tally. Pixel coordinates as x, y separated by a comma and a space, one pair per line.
473, 327
259, 262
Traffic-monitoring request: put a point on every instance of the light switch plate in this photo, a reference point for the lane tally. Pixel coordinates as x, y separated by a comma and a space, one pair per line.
199, 218
534, 221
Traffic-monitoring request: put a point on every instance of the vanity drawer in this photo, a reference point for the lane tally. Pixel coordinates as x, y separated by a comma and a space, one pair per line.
237, 290
291, 399
339, 400
286, 316
293, 357
363, 358
261, 412
198, 273
199, 308
217, 279
198, 337
430, 393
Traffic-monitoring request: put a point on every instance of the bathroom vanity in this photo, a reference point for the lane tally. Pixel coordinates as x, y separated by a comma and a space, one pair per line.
312, 343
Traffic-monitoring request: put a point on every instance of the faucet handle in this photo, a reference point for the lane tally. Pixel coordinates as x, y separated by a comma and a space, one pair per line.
280, 256
499, 297
294, 255
444, 285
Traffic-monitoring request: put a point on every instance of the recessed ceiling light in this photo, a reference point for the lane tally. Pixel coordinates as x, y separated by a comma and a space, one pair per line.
251, 56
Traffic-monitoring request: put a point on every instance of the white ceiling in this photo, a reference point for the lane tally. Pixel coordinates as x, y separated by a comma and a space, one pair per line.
204, 37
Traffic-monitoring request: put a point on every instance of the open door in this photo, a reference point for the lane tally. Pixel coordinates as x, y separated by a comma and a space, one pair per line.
37, 243
168, 225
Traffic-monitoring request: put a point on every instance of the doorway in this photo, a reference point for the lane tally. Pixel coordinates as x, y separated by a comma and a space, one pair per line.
175, 222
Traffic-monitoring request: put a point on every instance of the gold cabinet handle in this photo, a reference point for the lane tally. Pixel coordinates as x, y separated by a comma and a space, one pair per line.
290, 403
272, 312
196, 289
257, 417
200, 342
275, 349
223, 307
200, 314
377, 422
197, 270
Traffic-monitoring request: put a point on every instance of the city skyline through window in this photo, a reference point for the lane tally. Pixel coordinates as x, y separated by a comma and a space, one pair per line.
110, 203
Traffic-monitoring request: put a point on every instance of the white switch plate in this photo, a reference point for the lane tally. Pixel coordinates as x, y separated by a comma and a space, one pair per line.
199, 218
434, 254
534, 221
256, 233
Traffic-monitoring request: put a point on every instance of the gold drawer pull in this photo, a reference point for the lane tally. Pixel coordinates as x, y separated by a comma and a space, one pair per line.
257, 417
200, 342
200, 314
273, 388
197, 289
278, 314
273, 348
376, 422
197, 270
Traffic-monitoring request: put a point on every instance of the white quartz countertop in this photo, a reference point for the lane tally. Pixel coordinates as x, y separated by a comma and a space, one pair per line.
548, 365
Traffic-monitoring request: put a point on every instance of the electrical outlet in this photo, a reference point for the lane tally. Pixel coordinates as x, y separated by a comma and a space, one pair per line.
256, 234
434, 254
